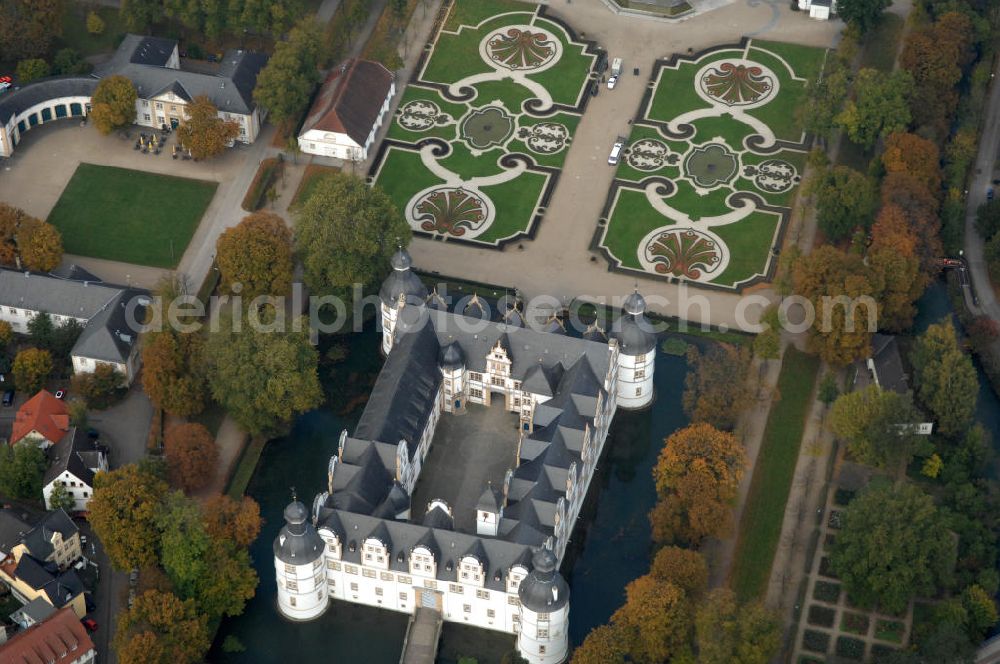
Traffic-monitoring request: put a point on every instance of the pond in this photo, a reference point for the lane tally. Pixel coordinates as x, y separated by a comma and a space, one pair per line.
609, 548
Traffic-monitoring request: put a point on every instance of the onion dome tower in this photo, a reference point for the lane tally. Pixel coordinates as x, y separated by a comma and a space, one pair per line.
400, 288
636, 353
544, 598
298, 566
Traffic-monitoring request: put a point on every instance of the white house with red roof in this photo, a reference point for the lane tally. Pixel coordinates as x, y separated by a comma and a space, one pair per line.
348, 111
43, 420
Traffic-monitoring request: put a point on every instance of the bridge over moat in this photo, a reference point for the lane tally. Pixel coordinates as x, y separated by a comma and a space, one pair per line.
422, 635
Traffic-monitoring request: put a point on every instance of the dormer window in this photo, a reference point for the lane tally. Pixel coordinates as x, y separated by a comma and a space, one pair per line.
471, 570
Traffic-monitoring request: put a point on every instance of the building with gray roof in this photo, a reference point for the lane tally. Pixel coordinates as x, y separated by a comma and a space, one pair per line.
485, 546
163, 85
108, 313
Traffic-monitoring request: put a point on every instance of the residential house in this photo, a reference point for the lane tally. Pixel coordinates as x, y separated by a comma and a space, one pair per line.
32, 613
29, 579
73, 464
59, 639
55, 539
42, 420
110, 315
823, 10
348, 111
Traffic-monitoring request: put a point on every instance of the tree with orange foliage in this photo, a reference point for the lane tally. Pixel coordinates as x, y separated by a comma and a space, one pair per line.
684, 568
604, 645
892, 257
920, 208
203, 132
161, 629
257, 254
33, 242
844, 294
173, 376
235, 521
697, 474
655, 621
910, 154
191, 455
934, 56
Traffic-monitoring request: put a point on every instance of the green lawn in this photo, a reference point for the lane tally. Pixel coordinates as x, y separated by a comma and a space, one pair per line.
130, 216
760, 526
749, 240
75, 35
471, 12
881, 45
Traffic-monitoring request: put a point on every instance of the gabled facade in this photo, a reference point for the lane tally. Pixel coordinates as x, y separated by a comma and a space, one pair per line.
59, 639
72, 465
42, 420
348, 111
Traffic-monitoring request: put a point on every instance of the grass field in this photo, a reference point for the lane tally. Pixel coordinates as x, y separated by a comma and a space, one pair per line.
130, 216
760, 526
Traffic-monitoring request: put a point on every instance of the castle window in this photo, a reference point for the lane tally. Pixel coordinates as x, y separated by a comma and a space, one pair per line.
541, 650
368, 573
513, 600
475, 375
482, 594
354, 587
455, 588
490, 613
467, 608
498, 381
333, 564
289, 569
640, 358
291, 600
640, 373
292, 585
378, 592
638, 391
402, 597
405, 579
319, 594
543, 633
385, 576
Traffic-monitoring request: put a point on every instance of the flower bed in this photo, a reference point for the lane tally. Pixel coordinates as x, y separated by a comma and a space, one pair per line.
880, 651
821, 616
841, 497
835, 520
850, 648
828, 543
826, 591
826, 569
889, 630
815, 641
855, 623
267, 173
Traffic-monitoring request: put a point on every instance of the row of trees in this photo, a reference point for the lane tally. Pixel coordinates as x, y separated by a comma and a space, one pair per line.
213, 18
285, 85
196, 552
668, 615
344, 235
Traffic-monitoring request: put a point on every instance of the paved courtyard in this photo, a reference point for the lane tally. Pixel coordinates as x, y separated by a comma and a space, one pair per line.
35, 177
467, 451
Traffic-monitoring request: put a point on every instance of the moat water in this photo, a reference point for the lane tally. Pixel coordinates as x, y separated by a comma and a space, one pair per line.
609, 547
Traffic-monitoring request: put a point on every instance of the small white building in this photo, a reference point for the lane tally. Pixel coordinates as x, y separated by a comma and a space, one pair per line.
348, 111
73, 462
107, 313
823, 10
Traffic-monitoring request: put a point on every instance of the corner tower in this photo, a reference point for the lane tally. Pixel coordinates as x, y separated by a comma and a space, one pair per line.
544, 598
636, 354
298, 566
401, 287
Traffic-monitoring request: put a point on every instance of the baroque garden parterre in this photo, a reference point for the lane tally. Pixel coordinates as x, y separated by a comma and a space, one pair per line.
712, 166
475, 148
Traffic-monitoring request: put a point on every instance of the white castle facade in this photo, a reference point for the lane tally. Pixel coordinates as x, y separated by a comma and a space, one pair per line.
492, 564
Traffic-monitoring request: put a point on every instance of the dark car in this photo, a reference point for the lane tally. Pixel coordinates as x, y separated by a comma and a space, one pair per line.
594, 87
8, 398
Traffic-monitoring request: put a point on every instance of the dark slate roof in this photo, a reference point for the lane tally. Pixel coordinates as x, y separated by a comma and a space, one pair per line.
298, 543
350, 99
437, 517
403, 282
230, 88
448, 546
888, 364
16, 101
108, 336
451, 357
39, 539
490, 500
60, 588
633, 331
36, 611
12, 530
405, 391
544, 590
77, 453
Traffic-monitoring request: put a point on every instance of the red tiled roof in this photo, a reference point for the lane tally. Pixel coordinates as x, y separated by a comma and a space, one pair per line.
42, 413
350, 99
60, 638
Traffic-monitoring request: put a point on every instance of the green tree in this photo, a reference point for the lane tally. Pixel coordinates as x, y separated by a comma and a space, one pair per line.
32, 69
285, 85
265, 16
161, 629
845, 200
263, 378
828, 389
28, 27
32, 367
945, 378
113, 104
124, 512
60, 498
257, 254
726, 632
41, 330
21, 469
203, 132
880, 106
6, 334
873, 422
68, 61
826, 97
988, 219
716, 391
894, 545
862, 14
100, 388
346, 233
139, 14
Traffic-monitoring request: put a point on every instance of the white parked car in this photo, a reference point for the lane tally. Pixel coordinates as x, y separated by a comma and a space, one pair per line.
612, 82
616, 150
